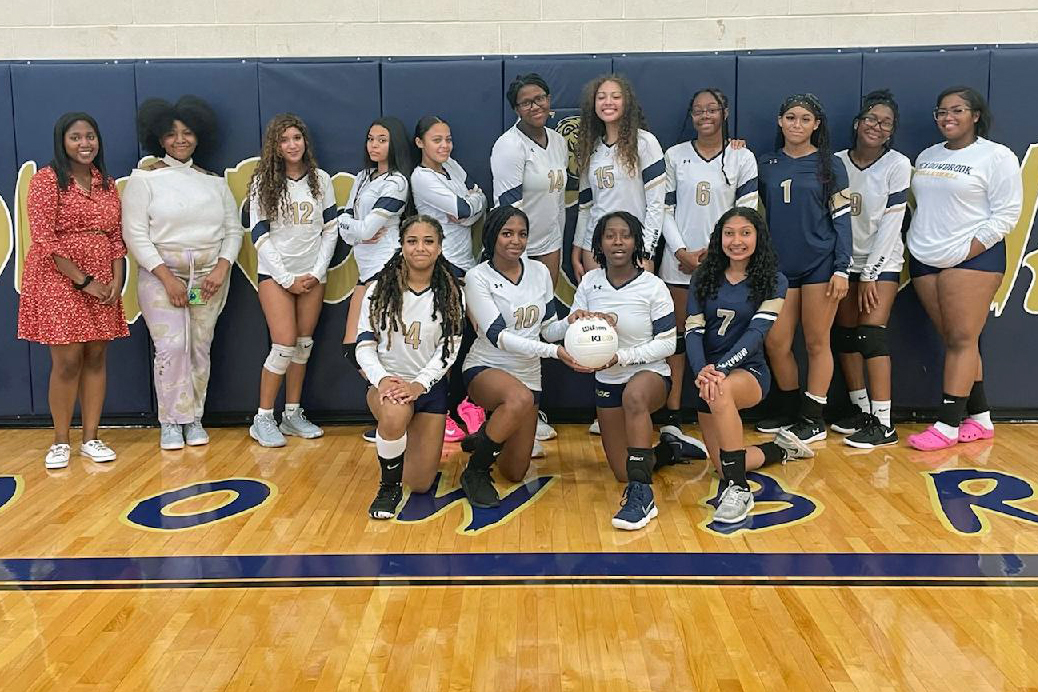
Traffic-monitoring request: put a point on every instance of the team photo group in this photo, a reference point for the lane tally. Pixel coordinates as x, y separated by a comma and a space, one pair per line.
694, 266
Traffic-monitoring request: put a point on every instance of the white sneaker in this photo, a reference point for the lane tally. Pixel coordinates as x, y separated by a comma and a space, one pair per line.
298, 424
96, 450
594, 429
538, 450
171, 436
684, 439
57, 456
734, 505
544, 431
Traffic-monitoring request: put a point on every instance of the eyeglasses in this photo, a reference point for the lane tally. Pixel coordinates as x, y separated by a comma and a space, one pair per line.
872, 121
540, 101
939, 113
700, 112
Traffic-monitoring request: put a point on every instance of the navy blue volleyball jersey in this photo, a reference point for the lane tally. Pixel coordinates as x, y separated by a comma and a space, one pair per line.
728, 331
805, 228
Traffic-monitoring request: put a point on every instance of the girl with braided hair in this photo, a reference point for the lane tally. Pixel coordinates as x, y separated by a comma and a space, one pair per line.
411, 324
735, 297
879, 179
511, 301
706, 176
291, 215
804, 190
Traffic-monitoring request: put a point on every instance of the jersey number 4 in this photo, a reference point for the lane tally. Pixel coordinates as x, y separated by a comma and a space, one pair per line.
556, 181
413, 335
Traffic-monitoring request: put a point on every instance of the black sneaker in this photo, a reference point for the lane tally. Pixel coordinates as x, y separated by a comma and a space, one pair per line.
873, 435
774, 423
807, 430
479, 487
848, 425
386, 502
369, 435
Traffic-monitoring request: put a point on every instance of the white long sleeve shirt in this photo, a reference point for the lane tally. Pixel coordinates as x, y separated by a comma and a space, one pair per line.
442, 195
879, 196
178, 208
962, 194
302, 238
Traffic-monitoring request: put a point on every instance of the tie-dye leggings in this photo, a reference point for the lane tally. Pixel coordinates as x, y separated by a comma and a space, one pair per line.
182, 336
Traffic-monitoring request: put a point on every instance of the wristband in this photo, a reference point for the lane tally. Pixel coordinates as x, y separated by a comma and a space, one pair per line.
87, 279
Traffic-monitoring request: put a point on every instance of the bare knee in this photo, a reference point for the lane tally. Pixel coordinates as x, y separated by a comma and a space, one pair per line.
722, 403
635, 401
959, 340
68, 367
94, 356
393, 420
422, 484
518, 399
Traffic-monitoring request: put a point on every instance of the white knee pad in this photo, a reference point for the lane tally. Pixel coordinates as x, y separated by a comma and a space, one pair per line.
301, 354
279, 358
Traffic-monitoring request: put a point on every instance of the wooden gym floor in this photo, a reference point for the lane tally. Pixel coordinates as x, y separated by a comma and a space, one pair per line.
231, 567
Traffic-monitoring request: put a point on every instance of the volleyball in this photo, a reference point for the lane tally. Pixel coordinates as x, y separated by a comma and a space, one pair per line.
591, 341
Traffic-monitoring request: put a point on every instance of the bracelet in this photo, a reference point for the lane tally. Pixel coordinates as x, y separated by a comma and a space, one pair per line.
87, 279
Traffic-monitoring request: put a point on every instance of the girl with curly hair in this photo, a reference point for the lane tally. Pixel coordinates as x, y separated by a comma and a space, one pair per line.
879, 179
735, 297
635, 382
621, 167
181, 224
291, 214
803, 187
411, 324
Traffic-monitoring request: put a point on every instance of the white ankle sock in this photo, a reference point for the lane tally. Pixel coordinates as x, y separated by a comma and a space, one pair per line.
264, 412
947, 430
881, 410
291, 408
983, 419
860, 398
820, 399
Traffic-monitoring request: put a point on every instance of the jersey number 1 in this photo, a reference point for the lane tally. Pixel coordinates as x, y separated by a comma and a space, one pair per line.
787, 186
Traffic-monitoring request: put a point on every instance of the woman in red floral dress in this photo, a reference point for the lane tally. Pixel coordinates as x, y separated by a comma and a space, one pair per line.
73, 279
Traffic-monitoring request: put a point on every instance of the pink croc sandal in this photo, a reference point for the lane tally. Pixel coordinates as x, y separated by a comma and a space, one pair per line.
451, 432
471, 415
930, 440
971, 431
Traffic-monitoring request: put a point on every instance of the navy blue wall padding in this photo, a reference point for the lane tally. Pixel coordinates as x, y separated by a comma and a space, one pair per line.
41, 94
1013, 96
232, 89
465, 93
338, 99
14, 354
566, 78
335, 100
916, 78
766, 80
665, 84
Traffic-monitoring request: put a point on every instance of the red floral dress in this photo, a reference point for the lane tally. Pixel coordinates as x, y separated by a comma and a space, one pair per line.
86, 229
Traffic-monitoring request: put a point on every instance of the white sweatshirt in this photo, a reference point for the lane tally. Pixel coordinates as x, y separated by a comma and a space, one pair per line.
962, 194
178, 208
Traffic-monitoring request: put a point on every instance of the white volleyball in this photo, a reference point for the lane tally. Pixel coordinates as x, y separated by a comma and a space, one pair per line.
591, 341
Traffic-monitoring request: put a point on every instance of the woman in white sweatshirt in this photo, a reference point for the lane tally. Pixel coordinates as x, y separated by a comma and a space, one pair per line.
180, 223
968, 195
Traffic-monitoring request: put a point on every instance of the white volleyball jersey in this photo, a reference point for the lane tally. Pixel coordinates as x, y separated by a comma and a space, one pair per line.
879, 196
301, 239
962, 194
698, 192
607, 186
509, 318
376, 202
533, 178
415, 353
449, 193
645, 325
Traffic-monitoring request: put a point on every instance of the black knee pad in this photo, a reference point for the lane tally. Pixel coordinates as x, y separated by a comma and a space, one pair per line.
872, 341
680, 350
845, 339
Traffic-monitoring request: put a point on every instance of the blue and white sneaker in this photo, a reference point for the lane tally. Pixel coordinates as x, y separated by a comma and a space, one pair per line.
683, 446
637, 508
